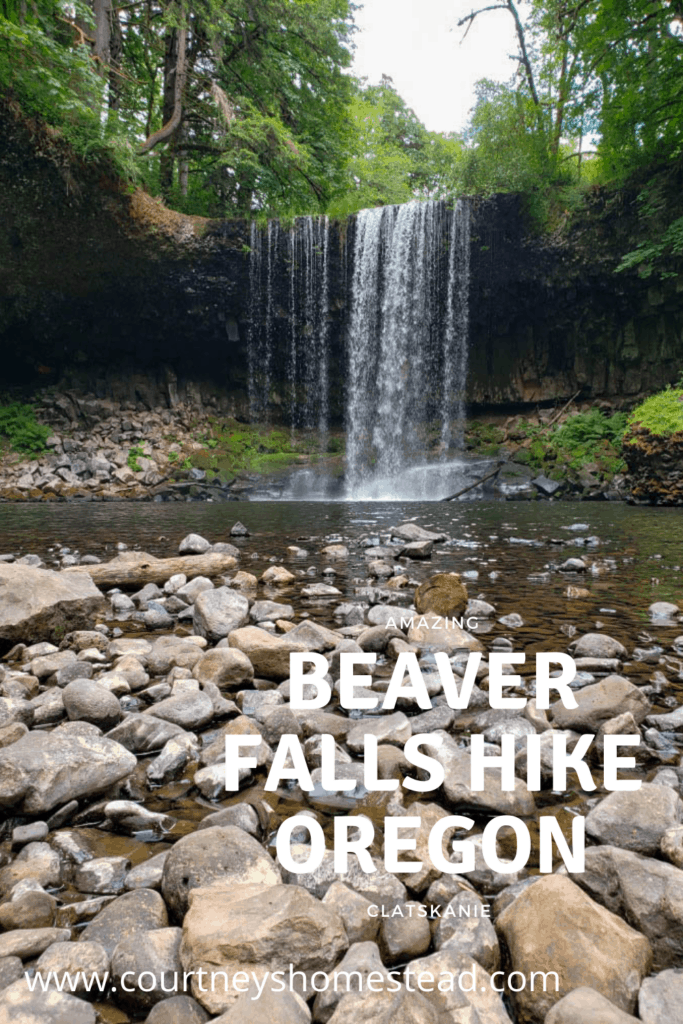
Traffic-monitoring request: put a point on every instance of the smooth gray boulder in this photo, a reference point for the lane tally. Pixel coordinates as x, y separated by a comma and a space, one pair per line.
42, 603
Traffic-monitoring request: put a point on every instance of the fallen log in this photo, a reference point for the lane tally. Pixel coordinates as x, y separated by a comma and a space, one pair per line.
135, 568
481, 480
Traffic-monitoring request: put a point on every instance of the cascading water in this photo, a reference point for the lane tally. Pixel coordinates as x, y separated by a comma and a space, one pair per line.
300, 258
407, 356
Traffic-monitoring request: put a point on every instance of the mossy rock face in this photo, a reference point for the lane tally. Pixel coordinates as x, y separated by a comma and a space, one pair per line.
443, 594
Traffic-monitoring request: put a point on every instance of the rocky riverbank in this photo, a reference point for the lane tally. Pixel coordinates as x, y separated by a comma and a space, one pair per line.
121, 851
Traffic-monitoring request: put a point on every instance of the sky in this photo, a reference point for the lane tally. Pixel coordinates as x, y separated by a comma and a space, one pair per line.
417, 43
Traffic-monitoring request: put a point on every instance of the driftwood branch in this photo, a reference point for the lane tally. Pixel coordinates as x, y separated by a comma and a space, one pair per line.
135, 568
563, 409
167, 130
470, 487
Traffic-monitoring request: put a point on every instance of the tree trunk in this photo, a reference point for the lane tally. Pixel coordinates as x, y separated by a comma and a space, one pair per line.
102, 46
116, 53
135, 568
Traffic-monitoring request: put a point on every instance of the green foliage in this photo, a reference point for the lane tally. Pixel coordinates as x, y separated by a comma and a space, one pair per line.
134, 454
661, 414
660, 251
587, 438
19, 425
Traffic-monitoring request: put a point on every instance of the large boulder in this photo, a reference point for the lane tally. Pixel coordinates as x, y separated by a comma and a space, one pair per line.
599, 702
217, 612
19, 1005
644, 891
228, 856
553, 926
43, 770
268, 654
443, 594
257, 928
636, 820
134, 913
40, 603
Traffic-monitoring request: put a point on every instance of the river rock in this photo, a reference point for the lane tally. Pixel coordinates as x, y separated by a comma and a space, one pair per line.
193, 544
661, 998
42, 603
412, 532
405, 935
457, 767
18, 1005
377, 886
43, 770
262, 610
136, 957
191, 709
554, 926
227, 667
228, 856
73, 957
177, 1010
636, 820
34, 908
433, 633
586, 1006
257, 927
468, 931
268, 654
359, 924
11, 970
131, 914
141, 734
175, 755
394, 728
645, 891
612, 696
29, 942
268, 1008
481, 1004
218, 612
442, 594
86, 701
36, 861
171, 652
102, 875
360, 960
597, 645
278, 576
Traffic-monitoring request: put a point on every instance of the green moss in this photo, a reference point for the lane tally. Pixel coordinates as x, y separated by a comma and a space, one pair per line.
661, 414
133, 456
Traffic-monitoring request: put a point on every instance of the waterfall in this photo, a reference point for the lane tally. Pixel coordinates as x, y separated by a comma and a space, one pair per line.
407, 356
289, 313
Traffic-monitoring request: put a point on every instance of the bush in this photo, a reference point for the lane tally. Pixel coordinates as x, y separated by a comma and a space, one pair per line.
19, 425
661, 414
